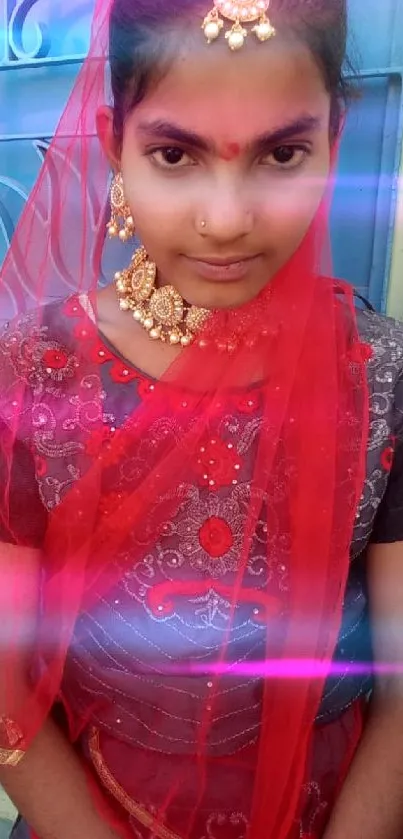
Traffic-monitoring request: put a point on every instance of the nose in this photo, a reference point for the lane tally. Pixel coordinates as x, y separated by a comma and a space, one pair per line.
226, 213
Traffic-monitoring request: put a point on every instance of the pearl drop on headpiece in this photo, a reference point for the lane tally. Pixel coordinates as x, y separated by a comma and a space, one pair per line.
239, 12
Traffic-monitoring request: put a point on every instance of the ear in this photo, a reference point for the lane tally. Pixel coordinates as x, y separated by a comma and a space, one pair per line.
106, 136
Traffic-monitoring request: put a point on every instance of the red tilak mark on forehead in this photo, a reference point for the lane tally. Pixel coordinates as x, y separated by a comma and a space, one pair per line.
230, 151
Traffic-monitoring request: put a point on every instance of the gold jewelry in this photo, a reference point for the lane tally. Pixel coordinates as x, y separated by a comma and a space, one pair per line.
162, 311
121, 223
240, 12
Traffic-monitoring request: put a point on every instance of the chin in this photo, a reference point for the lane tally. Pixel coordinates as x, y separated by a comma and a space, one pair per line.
222, 296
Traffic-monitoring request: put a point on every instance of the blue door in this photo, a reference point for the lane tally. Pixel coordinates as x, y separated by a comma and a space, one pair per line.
42, 43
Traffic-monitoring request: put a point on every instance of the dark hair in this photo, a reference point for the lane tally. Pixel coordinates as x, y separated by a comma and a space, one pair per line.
140, 30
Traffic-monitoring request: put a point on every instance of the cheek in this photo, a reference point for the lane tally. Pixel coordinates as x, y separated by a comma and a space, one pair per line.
161, 208
148, 204
293, 201
300, 199
149, 194
157, 215
135, 169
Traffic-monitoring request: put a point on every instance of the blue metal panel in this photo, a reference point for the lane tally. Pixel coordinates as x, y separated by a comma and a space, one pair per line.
365, 194
42, 43
43, 29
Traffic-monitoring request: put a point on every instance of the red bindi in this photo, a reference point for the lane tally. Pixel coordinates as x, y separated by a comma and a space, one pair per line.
230, 151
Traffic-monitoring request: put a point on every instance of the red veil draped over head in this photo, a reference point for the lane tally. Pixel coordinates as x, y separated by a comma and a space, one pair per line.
297, 343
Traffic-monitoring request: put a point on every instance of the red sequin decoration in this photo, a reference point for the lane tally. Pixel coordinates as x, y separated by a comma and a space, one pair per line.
55, 359
387, 458
217, 465
215, 537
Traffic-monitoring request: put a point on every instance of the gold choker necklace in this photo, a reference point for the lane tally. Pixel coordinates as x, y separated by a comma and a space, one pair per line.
161, 311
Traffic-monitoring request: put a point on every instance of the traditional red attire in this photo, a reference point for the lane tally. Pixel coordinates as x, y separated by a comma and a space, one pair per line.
196, 532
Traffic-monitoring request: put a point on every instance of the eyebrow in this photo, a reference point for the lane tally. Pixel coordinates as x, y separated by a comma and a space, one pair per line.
165, 130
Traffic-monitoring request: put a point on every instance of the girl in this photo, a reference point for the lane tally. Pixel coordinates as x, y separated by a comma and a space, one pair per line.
202, 460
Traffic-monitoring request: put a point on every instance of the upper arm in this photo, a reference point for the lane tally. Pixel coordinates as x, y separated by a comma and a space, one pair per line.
385, 572
388, 525
23, 517
23, 523
20, 572
385, 584
22, 529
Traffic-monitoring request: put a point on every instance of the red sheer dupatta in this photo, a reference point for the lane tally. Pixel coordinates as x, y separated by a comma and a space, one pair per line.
299, 340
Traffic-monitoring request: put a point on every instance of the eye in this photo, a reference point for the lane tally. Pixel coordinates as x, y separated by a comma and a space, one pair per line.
171, 157
286, 157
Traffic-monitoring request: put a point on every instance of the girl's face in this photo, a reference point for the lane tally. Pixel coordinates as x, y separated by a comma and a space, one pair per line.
224, 165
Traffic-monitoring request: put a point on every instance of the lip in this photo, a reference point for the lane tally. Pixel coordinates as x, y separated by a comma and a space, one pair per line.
223, 269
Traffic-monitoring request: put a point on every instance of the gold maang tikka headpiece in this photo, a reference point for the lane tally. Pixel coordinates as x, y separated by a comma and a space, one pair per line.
240, 12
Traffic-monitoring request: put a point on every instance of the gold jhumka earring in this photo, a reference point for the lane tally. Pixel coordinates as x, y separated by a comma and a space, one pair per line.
239, 12
161, 311
121, 222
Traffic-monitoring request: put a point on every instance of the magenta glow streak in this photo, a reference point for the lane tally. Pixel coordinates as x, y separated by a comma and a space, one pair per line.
295, 669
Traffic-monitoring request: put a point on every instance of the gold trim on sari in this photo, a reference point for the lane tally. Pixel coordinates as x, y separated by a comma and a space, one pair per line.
10, 757
132, 807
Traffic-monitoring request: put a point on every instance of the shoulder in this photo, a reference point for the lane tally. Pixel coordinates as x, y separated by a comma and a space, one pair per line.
380, 516
38, 355
53, 321
384, 334
42, 337
385, 369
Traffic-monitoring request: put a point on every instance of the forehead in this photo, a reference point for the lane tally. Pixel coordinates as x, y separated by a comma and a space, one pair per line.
209, 88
